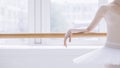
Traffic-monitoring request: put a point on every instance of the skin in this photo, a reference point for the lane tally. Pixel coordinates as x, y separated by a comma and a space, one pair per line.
99, 15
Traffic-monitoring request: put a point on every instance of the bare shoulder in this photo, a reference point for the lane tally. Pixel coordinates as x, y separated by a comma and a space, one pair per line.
114, 8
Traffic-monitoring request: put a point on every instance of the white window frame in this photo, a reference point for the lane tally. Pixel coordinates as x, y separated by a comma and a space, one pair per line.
41, 17
31, 17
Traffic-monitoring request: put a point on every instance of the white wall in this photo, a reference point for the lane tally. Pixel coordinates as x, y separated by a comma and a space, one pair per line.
39, 58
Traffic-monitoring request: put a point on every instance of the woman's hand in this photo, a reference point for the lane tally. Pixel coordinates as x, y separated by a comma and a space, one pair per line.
68, 35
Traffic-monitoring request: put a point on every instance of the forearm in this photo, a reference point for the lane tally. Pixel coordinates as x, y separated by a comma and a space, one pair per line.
78, 30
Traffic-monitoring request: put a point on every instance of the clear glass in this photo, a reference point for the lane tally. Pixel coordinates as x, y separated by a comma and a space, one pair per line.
67, 14
13, 19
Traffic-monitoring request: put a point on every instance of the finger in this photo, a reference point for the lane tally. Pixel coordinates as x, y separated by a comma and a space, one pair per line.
65, 38
65, 44
70, 37
65, 41
67, 35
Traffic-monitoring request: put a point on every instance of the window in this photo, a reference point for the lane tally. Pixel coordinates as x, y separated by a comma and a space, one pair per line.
41, 16
14, 19
65, 14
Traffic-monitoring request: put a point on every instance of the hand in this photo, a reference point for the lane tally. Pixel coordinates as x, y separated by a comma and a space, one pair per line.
68, 35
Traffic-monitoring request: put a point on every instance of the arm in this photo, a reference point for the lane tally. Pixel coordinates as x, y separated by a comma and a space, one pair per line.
99, 15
